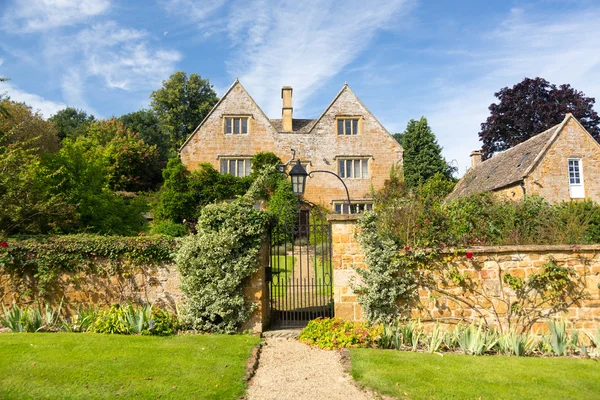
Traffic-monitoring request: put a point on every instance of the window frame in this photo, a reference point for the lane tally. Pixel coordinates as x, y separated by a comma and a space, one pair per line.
355, 126
354, 161
576, 190
341, 207
226, 161
239, 126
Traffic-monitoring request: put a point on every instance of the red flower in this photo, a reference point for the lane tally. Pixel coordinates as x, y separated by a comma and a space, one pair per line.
407, 248
469, 255
3, 244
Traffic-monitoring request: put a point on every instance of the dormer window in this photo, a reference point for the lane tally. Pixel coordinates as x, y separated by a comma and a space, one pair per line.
348, 126
236, 125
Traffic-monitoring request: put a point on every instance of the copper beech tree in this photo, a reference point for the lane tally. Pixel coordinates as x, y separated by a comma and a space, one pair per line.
531, 107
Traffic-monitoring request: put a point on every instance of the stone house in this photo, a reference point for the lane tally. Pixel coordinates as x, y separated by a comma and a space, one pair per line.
346, 139
559, 164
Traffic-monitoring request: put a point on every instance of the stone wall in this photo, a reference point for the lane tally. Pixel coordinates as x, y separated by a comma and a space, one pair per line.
447, 304
159, 285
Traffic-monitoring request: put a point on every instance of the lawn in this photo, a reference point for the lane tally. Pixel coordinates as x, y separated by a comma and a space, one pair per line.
408, 375
94, 366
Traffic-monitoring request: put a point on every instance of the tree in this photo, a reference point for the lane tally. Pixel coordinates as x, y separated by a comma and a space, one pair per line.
71, 122
531, 107
3, 110
422, 154
399, 138
182, 103
24, 126
148, 126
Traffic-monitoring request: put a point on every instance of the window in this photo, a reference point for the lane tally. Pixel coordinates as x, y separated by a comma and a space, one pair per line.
353, 168
236, 125
357, 208
576, 179
236, 166
347, 126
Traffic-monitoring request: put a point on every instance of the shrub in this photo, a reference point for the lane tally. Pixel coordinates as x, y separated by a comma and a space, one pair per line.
28, 319
335, 333
113, 321
162, 323
215, 262
169, 228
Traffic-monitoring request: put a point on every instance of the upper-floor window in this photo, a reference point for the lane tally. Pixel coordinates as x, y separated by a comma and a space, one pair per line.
236, 125
347, 126
576, 179
236, 166
353, 168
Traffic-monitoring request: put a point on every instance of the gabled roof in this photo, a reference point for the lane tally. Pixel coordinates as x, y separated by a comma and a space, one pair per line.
216, 106
509, 167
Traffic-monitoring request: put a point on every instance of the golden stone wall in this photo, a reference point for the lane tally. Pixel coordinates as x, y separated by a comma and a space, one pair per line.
482, 269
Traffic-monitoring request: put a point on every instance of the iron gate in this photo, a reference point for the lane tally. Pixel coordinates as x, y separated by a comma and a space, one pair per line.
300, 271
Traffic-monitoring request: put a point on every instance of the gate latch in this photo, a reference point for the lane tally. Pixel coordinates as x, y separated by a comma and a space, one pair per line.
269, 274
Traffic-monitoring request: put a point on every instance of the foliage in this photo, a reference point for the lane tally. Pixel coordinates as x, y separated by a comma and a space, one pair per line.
132, 165
422, 154
28, 319
182, 103
113, 321
82, 179
399, 137
387, 288
81, 320
3, 106
71, 122
27, 128
94, 366
184, 194
215, 263
45, 257
531, 107
162, 323
148, 126
129, 319
169, 228
335, 333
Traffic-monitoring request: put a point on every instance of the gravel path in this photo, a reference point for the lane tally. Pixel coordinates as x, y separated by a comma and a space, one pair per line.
289, 369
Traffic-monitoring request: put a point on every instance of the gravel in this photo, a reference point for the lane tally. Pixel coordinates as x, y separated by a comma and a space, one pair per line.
289, 369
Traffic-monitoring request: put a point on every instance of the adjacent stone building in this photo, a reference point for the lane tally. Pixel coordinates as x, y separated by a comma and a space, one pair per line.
560, 164
346, 139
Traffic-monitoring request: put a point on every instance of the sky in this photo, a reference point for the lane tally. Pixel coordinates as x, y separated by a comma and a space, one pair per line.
403, 58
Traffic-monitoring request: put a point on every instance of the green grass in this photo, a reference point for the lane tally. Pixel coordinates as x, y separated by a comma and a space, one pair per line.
93, 366
408, 375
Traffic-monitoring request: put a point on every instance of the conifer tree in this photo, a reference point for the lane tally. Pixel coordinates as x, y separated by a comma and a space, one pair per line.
422, 154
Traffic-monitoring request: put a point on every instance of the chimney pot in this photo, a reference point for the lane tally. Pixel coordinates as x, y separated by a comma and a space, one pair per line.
475, 158
287, 110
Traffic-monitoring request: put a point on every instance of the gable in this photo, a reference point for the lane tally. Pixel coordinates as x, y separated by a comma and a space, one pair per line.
236, 101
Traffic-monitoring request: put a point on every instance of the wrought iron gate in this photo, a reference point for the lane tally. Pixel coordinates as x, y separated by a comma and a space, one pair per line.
300, 271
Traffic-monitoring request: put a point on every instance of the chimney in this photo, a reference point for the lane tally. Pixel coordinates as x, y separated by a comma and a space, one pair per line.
475, 158
286, 111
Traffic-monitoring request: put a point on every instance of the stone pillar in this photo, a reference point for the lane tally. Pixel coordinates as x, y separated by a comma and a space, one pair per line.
346, 256
257, 291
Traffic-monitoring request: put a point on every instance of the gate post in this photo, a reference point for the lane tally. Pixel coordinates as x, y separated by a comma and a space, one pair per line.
257, 291
346, 256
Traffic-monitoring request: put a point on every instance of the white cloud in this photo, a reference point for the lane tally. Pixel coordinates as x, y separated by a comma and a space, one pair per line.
73, 89
561, 50
123, 58
193, 9
41, 15
302, 44
46, 107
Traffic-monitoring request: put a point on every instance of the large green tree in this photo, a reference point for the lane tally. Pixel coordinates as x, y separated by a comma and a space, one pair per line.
182, 103
148, 126
3, 96
71, 122
22, 125
422, 154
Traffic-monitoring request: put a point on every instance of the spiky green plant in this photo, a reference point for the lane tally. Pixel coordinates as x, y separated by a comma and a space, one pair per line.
435, 339
559, 339
13, 319
474, 339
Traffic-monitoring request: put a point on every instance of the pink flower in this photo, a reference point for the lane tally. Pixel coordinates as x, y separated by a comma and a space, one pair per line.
3, 244
469, 255
407, 248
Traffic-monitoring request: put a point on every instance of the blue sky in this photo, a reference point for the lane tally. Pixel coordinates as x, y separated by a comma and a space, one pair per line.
403, 58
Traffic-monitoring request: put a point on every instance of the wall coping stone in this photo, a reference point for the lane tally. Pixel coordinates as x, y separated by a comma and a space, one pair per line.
529, 248
343, 217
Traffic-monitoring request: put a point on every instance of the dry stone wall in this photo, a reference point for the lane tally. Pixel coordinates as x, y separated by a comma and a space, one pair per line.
482, 268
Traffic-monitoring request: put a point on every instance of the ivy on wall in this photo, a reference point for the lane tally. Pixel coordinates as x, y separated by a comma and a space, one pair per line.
44, 258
